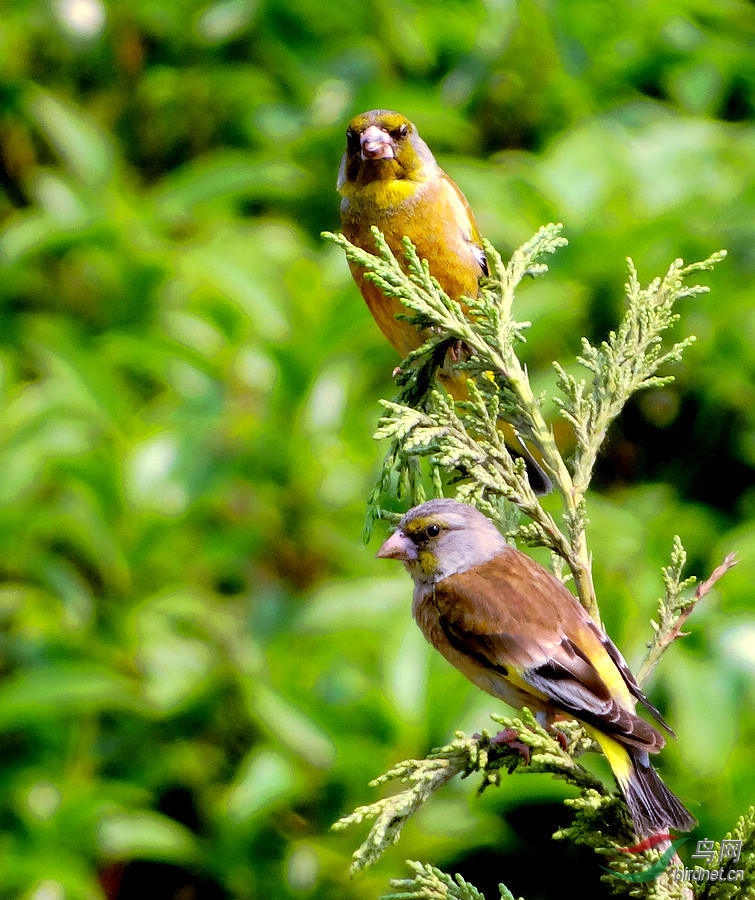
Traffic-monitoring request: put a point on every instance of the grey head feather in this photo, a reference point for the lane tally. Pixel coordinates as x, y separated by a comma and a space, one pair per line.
466, 539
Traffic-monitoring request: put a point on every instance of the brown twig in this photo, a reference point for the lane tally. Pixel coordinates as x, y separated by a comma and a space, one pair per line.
672, 619
702, 589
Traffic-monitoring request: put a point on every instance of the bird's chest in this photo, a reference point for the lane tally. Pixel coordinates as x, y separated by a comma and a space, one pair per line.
431, 215
494, 679
428, 214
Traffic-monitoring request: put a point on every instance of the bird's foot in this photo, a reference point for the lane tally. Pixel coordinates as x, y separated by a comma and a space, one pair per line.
560, 737
456, 351
547, 721
509, 737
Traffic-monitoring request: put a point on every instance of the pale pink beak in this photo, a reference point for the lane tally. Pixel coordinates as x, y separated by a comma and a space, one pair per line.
398, 546
376, 144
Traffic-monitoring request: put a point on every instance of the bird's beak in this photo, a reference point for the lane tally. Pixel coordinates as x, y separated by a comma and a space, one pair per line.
398, 546
376, 144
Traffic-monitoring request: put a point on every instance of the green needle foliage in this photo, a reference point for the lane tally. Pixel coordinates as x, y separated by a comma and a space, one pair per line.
743, 831
483, 753
429, 883
676, 604
626, 362
461, 441
438, 445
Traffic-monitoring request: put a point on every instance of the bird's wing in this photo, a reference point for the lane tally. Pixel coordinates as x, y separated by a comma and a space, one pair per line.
631, 682
512, 617
464, 214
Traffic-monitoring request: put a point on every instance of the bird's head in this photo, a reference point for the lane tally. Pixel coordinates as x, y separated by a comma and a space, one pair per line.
440, 538
382, 145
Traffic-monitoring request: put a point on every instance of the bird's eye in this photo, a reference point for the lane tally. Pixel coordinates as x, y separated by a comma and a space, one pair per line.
432, 531
352, 138
401, 131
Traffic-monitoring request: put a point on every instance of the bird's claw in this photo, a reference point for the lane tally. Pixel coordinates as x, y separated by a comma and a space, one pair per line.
509, 737
455, 351
560, 737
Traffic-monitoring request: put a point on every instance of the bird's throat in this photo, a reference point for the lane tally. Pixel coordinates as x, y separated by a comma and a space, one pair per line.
381, 185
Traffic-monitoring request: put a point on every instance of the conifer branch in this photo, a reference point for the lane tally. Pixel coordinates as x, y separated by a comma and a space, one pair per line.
424, 777
675, 607
457, 438
627, 361
429, 883
436, 442
722, 889
528, 748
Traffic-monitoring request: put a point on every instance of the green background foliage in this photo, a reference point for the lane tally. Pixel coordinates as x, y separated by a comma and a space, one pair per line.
202, 664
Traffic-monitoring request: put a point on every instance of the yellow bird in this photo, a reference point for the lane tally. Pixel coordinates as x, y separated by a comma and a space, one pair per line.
389, 178
518, 633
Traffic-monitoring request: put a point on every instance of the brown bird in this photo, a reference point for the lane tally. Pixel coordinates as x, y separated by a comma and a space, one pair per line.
518, 633
389, 178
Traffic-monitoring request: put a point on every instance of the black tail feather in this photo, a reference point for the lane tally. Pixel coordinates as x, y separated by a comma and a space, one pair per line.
415, 380
653, 807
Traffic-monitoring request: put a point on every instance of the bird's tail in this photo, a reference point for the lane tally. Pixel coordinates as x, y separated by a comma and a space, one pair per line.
654, 809
455, 382
415, 381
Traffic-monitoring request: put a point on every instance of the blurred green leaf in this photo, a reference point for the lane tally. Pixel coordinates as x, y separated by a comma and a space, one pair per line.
148, 836
358, 603
265, 780
292, 728
63, 689
226, 176
80, 144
